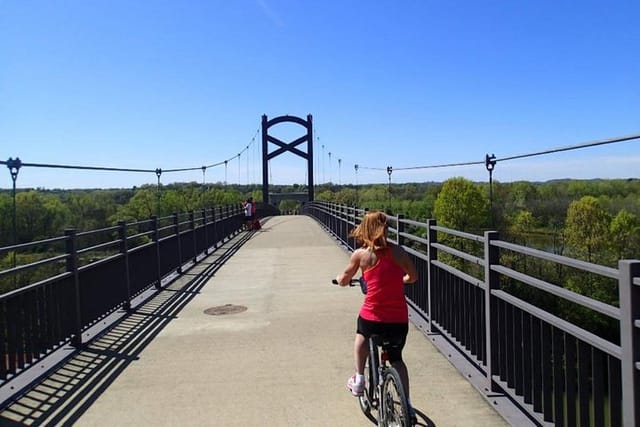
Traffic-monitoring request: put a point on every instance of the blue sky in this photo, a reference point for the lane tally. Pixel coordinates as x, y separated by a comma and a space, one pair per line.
167, 84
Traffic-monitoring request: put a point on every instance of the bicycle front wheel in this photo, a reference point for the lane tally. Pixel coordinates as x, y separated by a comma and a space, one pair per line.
394, 411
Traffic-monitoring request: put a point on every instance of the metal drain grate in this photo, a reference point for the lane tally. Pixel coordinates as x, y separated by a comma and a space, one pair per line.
225, 309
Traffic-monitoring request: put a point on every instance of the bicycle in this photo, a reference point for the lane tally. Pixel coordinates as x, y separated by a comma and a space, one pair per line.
384, 390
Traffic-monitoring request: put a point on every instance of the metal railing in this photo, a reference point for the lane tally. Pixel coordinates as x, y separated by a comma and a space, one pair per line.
555, 369
81, 278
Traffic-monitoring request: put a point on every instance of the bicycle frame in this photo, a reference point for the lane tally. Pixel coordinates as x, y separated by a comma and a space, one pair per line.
384, 390
381, 378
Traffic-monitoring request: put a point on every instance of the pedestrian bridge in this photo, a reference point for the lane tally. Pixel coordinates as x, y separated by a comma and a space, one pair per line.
223, 327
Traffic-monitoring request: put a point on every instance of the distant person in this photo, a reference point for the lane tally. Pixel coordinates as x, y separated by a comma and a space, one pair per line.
248, 213
255, 221
386, 268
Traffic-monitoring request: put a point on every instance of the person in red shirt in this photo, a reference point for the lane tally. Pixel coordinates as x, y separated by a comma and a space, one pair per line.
256, 221
386, 268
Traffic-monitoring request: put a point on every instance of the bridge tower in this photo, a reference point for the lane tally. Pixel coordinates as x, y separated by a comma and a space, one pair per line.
284, 147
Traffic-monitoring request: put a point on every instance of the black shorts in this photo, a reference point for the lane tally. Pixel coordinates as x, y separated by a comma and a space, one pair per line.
396, 333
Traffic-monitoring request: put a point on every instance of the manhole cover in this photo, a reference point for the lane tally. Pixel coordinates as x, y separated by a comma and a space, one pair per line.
225, 309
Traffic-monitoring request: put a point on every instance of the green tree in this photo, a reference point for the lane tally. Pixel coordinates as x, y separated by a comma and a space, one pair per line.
375, 197
219, 195
624, 233
91, 210
289, 206
39, 216
461, 206
346, 196
522, 224
142, 205
324, 196
522, 193
6, 219
587, 228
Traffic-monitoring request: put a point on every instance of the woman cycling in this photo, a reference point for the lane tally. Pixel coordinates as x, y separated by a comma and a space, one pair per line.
386, 268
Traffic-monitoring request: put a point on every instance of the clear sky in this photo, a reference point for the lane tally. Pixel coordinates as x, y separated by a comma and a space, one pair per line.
180, 84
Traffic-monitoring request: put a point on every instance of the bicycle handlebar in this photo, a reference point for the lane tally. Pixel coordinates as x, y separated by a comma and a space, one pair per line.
355, 282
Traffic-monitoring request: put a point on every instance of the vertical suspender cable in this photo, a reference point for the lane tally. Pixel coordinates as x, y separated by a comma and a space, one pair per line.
490, 164
239, 173
14, 168
204, 169
158, 173
356, 169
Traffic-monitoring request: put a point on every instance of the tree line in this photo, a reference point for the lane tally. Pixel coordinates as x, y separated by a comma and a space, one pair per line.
591, 220
594, 220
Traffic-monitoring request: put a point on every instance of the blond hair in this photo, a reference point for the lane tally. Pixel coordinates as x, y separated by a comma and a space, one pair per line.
372, 231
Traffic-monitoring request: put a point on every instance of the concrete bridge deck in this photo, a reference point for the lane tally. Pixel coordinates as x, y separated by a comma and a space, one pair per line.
282, 362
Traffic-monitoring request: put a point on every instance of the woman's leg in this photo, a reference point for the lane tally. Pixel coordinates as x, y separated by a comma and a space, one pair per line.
360, 353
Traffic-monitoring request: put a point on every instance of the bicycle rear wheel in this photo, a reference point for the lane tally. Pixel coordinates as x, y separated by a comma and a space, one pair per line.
394, 410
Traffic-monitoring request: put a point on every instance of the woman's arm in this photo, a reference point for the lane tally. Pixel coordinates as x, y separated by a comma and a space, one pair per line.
401, 258
344, 278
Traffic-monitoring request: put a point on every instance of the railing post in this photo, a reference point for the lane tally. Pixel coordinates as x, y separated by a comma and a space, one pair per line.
352, 223
630, 340
344, 218
192, 224
156, 239
342, 222
432, 255
491, 281
334, 220
214, 220
206, 233
400, 229
124, 251
176, 226
72, 267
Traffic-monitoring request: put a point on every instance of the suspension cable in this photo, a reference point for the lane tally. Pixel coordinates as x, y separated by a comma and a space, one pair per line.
574, 147
445, 165
136, 170
520, 156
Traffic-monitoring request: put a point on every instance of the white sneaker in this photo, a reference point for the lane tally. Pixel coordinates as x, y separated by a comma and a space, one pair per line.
356, 388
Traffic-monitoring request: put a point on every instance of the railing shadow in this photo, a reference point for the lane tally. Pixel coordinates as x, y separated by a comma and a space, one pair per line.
423, 419
64, 394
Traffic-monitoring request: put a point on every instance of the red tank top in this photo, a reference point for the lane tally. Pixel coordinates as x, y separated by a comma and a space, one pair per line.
384, 300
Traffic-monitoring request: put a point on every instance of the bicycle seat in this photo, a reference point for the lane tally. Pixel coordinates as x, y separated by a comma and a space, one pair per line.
384, 341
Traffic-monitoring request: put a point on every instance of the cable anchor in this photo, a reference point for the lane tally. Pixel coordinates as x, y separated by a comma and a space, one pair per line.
14, 167
490, 162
